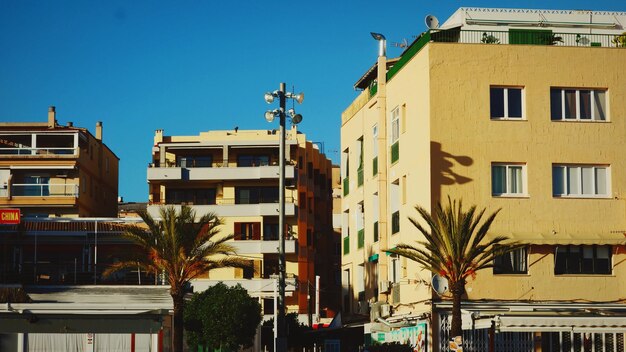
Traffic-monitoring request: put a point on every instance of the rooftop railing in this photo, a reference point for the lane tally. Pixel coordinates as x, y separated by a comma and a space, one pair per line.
38, 151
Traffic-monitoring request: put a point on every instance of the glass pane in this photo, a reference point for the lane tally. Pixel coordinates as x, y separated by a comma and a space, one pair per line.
587, 180
570, 104
601, 181
515, 102
573, 177
585, 105
498, 180
515, 175
557, 180
599, 105
555, 104
602, 252
395, 130
497, 102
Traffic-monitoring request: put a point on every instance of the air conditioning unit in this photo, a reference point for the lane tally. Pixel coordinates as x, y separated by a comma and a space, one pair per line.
395, 293
375, 310
363, 307
384, 286
385, 310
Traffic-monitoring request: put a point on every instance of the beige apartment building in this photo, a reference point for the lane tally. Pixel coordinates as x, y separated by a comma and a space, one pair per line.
49, 170
511, 109
235, 175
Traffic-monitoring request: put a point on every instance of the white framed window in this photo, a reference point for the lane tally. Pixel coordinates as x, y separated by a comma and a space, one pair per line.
395, 125
508, 180
573, 104
586, 181
506, 103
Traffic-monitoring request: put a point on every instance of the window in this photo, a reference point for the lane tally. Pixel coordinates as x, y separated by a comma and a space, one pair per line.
256, 195
395, 125
511, 263
506, 103
195, 196
580, 181
194, 161
585, 259
394, 269
270, 232
508, 179
247, 231
578, 104
375, 150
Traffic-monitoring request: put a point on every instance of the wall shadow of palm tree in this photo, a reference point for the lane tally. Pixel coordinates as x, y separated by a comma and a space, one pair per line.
442, 165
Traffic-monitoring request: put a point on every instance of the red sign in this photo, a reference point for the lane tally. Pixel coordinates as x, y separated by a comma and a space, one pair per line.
9, 216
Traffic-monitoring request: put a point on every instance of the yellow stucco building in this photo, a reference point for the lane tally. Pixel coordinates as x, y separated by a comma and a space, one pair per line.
518, 110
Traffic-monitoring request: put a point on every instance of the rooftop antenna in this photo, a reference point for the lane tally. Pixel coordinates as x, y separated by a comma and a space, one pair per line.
431, 22
403, 44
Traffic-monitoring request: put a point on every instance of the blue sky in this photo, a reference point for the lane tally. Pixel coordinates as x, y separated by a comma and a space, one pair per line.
191, 66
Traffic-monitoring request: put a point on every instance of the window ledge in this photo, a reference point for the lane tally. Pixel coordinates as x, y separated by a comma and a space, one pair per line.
512, 274
585, 275
520, 119
583, 121
512, 196
582, 197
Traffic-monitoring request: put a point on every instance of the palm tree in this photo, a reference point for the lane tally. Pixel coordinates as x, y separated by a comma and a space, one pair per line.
454, 248
183, 248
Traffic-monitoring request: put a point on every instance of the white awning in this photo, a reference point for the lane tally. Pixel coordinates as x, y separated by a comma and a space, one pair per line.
560, 323
37, 167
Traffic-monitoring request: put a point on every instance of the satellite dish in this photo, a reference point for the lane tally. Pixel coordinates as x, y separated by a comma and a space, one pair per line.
432, 22
439, 284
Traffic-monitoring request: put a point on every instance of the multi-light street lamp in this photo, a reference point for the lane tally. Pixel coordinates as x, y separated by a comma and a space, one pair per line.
282, 95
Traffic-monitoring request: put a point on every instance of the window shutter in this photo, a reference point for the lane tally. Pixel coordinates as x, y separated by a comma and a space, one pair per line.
256, 231
237, 230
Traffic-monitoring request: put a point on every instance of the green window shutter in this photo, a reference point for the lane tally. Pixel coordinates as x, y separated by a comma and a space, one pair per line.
346, 245
360, 177
395, 222
395, 152
531, 36
361, 238
376, 231
375, 166
346, 186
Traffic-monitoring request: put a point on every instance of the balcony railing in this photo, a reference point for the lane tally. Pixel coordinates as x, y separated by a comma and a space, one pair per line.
199, 162
226, 201
38, 151
44, 190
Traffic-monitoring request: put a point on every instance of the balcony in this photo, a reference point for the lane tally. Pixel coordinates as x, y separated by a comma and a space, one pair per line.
38, 151
262, 246
41, 190
255, 287
228, 207
218, 173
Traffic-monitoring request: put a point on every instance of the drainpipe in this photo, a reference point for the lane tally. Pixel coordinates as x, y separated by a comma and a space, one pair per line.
383, 213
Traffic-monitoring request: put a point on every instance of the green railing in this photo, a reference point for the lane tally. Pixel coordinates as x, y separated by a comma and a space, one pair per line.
346, 186
375, 231
395, 152
375, 166
361, 238
346, 245
395, 222
360, 177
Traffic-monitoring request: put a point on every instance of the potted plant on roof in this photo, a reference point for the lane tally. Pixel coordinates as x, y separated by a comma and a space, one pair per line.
489, 39
620, 40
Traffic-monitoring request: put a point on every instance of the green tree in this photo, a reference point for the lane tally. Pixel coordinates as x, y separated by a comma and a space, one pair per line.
222, 317
455, 248
183, 248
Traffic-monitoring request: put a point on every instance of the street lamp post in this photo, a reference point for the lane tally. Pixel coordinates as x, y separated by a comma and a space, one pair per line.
282, 95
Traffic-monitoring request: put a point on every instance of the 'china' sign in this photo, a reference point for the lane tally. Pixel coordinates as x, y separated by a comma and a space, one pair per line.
9, 216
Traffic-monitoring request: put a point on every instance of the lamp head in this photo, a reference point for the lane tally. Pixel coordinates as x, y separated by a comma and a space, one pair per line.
269, 98
296, 119
377, 36
269, 115
299, 97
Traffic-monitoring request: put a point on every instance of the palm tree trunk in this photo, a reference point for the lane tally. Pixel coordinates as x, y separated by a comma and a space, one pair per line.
457, 289
177, 335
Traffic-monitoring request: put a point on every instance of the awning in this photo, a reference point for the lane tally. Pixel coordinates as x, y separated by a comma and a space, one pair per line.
613, 237
561, 323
